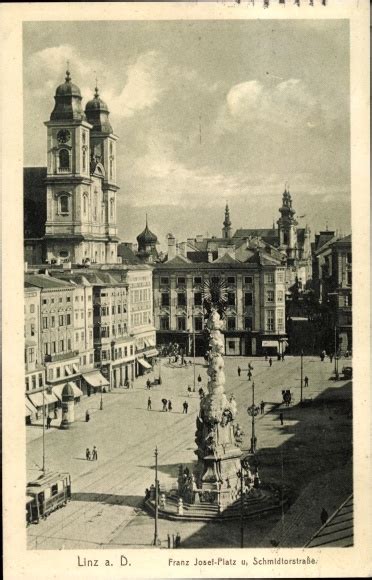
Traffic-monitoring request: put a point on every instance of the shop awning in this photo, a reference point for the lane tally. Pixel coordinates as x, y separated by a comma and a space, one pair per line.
144, 363
57, 390
95, 379
152, 352
30, 408
270, 343
75, 368
68, 371
149, 341
37, 399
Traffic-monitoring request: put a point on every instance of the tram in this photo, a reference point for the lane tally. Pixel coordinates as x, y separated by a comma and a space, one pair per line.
49, 492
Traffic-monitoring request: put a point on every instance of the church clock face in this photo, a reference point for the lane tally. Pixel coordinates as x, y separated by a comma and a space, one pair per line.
63, 136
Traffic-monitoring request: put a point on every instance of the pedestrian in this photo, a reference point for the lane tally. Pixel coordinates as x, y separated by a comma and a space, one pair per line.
87, 416
185, 407
249, 375
239, 371
169, 405
199, 379
281, 418
178, 540
148, 384
169, 540
149, 404
189, 391
48, 422
262, 406
164, 401
270, 361
87, 454
94, 453
306, 381
323, 516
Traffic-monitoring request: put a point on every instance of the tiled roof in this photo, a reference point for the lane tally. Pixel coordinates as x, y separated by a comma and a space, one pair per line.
338, 531
226, 259
260, 233
46, 282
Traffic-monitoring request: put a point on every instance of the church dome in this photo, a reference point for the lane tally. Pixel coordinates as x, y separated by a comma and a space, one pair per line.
67, 102
97, 114
146, 237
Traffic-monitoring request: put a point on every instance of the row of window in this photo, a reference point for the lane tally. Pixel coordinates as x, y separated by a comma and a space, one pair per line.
141, 295
105, 355
231, 280
140, 318
104, 331
84, 359
57, 347
33, 382
198, 323
181, 280
46, 301
50, 321
105, 310
231, 298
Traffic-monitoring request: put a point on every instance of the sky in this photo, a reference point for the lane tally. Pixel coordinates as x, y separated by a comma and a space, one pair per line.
207, 112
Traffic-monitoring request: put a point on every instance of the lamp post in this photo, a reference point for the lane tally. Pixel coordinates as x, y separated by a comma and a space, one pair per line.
193, 344
101, 402
253, 411
336, 360
43, 467
156, 538
302, 372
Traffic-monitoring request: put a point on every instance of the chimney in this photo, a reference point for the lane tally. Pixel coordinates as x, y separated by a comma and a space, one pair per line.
182, 249
172, 249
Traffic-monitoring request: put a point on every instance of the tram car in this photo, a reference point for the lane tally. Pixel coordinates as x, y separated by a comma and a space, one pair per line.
49, 492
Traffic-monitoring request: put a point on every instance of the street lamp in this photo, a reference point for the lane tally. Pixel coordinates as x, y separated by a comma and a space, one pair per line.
253, 412
156, 541
101, 402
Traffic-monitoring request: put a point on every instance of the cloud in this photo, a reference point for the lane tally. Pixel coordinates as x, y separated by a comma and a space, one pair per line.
286, 104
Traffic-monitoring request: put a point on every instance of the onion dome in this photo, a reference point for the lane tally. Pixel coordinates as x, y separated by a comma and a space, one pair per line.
67, 392
146, 238
97, 114
67, 102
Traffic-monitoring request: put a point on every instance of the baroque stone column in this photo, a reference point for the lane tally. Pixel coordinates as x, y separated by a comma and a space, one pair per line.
218, 452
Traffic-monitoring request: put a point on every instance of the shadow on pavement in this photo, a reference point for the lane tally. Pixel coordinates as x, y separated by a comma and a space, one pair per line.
134, 501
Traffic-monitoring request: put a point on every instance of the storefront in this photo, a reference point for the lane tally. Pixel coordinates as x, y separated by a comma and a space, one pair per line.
31, 411
142, 366
94, 382
47, 398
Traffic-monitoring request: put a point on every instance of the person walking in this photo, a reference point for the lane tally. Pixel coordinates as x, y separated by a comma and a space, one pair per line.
270, 361
94, 453
239, 371
281, 418
189, 391
87, 454
87, 416
164, 401
306, 381
262, 407
249, 375
199, 379
169, 405
185, 407
149, 404
48, 422
323, 516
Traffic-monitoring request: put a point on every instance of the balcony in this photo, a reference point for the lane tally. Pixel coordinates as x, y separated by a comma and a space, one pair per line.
61, 356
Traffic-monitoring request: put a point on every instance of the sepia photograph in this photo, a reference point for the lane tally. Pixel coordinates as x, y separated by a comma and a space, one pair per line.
188, 288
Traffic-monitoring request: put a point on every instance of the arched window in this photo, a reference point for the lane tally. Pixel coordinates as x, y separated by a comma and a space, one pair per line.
64, 160
63, 204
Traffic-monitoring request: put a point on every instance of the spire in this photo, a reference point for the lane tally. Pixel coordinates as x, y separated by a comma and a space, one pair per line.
96, 91
226, 230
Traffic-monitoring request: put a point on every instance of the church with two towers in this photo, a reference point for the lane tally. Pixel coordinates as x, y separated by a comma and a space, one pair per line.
71, 205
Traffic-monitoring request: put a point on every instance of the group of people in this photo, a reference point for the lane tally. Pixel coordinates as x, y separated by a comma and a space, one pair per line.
91, 456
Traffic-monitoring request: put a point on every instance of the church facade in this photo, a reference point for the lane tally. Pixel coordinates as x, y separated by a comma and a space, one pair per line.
71, 206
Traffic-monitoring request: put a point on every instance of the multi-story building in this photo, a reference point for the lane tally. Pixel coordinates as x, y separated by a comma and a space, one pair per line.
255, 314
70, 206
34, 369
333, 283
59, 345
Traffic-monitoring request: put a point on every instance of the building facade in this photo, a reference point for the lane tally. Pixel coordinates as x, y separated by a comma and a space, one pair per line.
255, 313
333, 283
